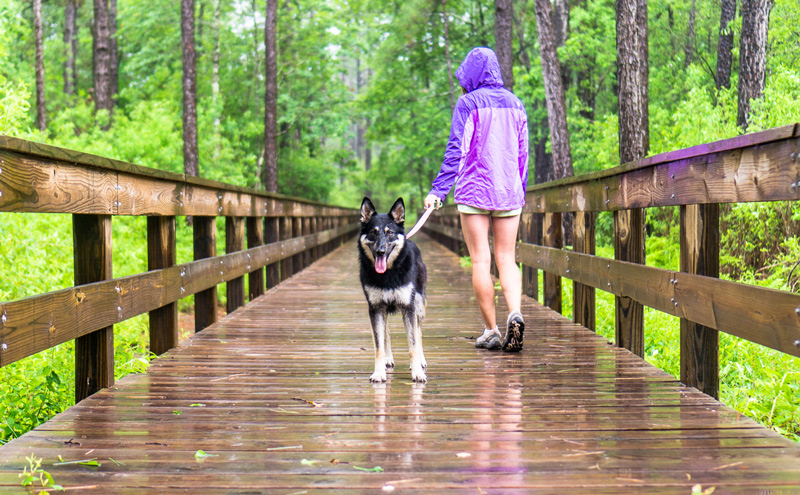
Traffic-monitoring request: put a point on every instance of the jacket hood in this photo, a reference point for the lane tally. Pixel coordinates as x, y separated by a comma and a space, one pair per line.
479, 68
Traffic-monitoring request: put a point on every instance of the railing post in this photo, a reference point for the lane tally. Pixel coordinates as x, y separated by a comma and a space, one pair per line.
531, 233
629, 245
94, 353
255, 238
287, 265
161, 253
297, 231
271, 229
205, 246
306, 231
583, 299
552, 282
234, 241
700, 255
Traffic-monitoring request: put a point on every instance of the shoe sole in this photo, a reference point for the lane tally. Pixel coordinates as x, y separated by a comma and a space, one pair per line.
512, 342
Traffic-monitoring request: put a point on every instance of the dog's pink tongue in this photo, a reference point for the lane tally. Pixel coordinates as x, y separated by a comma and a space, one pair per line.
380, 264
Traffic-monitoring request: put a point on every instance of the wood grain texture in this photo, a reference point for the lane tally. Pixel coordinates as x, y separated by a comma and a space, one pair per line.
771, 321
94, 351
552, 282
234, 241
629, 245
583, 296
161, 253
699, 344
255, 238
205, 246
35, 177
271, 235
568, 415
37, 323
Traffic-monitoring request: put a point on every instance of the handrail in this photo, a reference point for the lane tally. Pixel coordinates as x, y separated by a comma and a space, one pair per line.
284, 234
758, 167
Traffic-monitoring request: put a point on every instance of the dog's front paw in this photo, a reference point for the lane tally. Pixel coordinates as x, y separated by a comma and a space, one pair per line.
378, 377
418, 374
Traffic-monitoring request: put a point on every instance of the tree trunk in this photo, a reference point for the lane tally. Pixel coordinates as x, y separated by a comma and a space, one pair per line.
270, 176
41, 116
632, 78
503, 20
447, 55
112, 29
215, 78
70, 46
190, 153
554, 92
690, 36
725, 46
519, 22
752, 56
102, 58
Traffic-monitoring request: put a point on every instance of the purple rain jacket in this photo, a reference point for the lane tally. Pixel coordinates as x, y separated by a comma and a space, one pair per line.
488, 147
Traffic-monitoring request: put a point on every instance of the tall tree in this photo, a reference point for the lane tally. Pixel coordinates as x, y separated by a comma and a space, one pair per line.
554, 91
689, 49
269, 176
190, 153
725, 45
102, 58
215, 76
112, 31
41, 116
752, 56
447, 55
632, 76
503, 21
70, 46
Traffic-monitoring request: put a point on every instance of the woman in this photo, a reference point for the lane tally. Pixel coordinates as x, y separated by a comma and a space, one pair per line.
487, 158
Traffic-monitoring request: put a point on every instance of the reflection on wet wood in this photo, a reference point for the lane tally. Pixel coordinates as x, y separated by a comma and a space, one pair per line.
277, 393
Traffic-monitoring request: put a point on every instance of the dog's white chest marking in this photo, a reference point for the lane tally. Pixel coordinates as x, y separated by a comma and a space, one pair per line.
400, 295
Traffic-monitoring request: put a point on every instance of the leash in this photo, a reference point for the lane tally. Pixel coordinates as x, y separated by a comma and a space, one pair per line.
421, 221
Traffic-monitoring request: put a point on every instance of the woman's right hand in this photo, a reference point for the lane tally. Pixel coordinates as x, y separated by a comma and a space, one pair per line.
433, 201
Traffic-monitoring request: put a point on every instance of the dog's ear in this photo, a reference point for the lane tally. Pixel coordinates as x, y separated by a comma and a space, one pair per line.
398, 211
367, 210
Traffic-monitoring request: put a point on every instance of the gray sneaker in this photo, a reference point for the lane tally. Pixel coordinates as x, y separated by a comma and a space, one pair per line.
489, 340
515, 328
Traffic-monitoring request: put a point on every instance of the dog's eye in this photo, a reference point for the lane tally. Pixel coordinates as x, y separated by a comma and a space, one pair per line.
389, 231
371, 235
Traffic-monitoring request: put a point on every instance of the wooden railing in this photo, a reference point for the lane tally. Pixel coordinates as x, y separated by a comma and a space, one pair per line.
283, 234
757, 167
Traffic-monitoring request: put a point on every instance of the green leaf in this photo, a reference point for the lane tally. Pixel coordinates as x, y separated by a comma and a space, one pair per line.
376, 469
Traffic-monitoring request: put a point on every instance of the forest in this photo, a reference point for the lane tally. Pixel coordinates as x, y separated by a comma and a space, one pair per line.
332, 100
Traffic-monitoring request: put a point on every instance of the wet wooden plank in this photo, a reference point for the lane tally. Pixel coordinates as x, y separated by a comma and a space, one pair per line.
278, 389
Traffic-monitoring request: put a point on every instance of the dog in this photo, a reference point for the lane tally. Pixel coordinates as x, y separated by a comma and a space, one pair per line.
393, 278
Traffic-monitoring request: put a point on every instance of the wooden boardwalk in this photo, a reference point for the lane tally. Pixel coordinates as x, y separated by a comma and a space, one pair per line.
277, 394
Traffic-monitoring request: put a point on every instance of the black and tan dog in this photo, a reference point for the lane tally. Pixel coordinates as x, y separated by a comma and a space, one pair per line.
393, 277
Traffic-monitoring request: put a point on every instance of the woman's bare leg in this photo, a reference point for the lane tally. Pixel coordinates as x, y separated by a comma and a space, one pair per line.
476, 235
505, 242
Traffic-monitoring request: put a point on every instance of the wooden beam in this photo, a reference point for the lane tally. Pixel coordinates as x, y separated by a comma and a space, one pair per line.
287, 264
531, 233
629, 246
161, 253
552, 282
271, 229
583, 296
234, 241
255, 238
700, 255
205, 246
774, 322
94, 352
